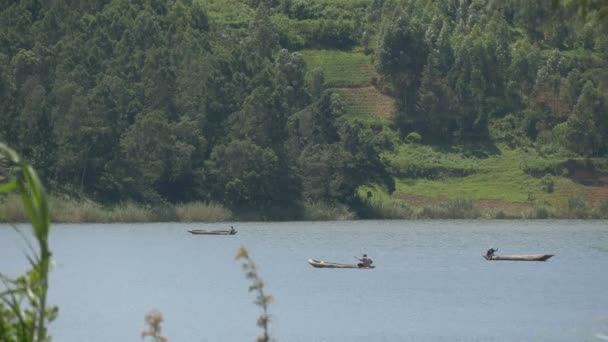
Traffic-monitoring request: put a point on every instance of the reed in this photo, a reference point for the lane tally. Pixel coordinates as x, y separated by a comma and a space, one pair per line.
11, 209
577, 208
130, 212
24, 313
458, 208
539, 213
65, 209
320, 211
203, 212
381, 209
70, 210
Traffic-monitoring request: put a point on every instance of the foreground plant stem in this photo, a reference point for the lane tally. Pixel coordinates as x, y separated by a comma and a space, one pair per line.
257, 284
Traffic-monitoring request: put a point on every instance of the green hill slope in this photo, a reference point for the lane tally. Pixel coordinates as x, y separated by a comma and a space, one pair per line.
352, 75
464, 110
428, 180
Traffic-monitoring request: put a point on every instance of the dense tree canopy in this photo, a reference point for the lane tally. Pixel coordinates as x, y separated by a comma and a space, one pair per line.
178, 101
152, 101
457, 65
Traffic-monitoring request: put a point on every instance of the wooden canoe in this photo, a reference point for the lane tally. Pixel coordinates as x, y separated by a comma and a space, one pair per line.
325, 264
529, 257
211, 232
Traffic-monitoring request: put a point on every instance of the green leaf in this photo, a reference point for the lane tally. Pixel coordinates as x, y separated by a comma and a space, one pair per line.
8, 187
30, 211
40, 201
10, 153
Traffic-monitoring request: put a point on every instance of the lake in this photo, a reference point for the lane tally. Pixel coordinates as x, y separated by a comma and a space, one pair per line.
430, 284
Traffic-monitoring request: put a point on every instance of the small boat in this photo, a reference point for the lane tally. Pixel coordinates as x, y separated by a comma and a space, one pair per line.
529, 257
325, 264
211, 232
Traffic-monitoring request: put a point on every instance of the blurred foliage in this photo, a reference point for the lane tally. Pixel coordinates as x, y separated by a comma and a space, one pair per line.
24, 314
262, 299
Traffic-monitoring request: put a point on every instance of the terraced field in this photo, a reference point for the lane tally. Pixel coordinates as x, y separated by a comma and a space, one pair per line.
341, 68
368, 101
496, 184
352, 75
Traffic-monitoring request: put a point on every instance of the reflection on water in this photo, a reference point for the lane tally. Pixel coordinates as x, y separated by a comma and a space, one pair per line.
430, 284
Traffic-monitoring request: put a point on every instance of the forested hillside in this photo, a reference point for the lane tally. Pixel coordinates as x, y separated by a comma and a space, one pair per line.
270, 106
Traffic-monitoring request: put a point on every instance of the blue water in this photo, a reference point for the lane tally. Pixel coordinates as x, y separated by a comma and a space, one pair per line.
430, 284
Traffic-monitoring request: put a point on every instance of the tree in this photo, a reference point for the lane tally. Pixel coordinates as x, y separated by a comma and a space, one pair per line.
243, 174
586, 126
155, 156
401, 57
323, 172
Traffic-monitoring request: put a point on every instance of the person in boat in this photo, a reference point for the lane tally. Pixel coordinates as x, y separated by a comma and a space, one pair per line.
490, 252
365, 261
232, 231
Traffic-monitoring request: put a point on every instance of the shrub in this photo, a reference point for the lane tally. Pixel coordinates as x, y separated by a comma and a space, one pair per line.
547, 184
413, 138
500, 215
577, 208
320, 211
541, 213
601, 210
389, 210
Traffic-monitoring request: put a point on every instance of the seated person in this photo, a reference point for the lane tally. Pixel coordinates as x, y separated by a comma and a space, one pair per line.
365, 261
490, 252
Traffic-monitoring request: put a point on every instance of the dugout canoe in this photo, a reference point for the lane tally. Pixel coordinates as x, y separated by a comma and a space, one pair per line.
528, 257
211, 232
325, 264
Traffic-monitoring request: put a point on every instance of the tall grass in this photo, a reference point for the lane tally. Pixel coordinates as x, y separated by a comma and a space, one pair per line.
540, 212
601, 210
457, 208
11, 209
70, 210
65, 209
380, 209
131, 212
321, 211
203, 212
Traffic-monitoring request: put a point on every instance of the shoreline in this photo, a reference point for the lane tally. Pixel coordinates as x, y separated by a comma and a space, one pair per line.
66, 210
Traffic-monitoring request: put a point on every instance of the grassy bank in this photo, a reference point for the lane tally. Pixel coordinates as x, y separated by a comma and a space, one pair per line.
66, 210
430, 184
443, 184
379, 206
464, 208
399, 205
